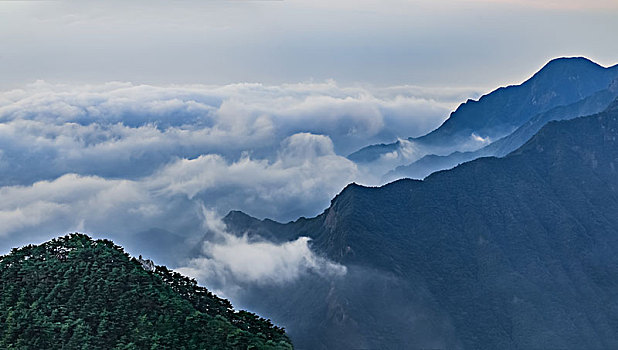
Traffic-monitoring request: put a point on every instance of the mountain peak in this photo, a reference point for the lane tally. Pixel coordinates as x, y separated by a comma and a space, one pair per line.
570, 61
567, 67
235, 215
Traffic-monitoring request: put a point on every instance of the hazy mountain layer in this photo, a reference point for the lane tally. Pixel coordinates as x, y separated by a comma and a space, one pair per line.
562, 81
432, 163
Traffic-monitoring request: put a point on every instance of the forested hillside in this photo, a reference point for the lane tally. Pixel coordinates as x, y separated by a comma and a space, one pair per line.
77, 293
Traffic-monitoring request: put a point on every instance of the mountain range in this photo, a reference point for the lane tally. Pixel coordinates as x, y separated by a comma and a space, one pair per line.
428, 164
512, 252
474, 124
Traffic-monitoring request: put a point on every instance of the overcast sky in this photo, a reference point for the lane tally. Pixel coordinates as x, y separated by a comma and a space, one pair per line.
388, 42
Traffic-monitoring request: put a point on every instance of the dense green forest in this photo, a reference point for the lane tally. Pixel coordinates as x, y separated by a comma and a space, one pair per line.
78, 293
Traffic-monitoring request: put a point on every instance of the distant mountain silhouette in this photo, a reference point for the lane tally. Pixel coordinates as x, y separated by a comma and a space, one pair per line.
560, 82
431, 163
497, 253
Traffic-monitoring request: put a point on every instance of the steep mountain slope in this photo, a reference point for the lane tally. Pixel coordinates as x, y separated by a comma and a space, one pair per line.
77, 293
432, 163
562, 81
513, 252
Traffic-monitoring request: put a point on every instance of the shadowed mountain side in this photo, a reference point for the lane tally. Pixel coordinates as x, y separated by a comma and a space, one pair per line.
562, 81
513, 252
432, 163
365, 309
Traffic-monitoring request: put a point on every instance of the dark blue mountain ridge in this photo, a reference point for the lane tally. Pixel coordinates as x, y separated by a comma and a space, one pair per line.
510, 253
561, 81
428, 164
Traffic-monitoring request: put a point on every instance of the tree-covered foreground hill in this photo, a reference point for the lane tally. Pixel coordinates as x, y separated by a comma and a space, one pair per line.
78, 293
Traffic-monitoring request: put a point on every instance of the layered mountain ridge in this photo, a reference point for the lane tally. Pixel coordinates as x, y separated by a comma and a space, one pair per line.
592, 104
561, 82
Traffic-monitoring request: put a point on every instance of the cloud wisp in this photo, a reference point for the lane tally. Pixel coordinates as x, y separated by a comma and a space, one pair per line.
230, 263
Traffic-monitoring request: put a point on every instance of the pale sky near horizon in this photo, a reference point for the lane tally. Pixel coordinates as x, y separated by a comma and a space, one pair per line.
451, 43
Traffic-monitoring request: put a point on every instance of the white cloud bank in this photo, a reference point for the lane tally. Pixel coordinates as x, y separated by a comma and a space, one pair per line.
260, 185
120, 159
128, 131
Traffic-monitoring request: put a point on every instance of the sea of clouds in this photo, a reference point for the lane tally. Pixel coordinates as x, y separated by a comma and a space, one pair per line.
119, 159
